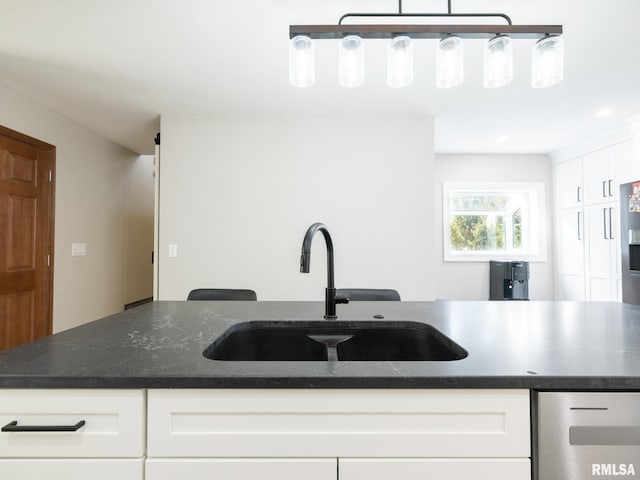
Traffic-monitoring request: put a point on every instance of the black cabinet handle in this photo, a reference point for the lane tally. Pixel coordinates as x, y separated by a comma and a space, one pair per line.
14, 427
604, 193
579, 229
610, 229
604, 222
610, 194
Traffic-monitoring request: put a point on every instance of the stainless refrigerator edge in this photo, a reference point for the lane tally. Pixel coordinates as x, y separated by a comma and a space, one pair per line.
630, 241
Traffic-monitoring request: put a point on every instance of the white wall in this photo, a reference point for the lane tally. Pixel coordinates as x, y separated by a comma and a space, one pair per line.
470, 280
238, 193
93, 189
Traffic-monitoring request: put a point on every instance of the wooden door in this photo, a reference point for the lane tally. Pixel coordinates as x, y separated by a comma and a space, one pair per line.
26, 238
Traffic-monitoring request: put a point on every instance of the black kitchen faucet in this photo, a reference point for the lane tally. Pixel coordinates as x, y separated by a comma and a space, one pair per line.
331, 299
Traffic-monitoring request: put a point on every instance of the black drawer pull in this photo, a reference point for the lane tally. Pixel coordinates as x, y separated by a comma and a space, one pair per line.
14, 427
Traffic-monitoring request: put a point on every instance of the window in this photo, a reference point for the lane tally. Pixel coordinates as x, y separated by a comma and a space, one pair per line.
493, 221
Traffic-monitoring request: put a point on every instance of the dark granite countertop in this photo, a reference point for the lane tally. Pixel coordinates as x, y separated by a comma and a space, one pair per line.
538, 345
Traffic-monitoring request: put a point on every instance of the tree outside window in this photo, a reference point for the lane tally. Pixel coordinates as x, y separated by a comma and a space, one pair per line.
516, 221
492, 221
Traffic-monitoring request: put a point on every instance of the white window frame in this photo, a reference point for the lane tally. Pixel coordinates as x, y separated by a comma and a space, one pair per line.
535, 216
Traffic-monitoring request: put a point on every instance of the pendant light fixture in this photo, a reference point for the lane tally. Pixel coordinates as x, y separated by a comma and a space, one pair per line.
498, 62
400, 62
301, 61
547, 63
351, 68
449, 62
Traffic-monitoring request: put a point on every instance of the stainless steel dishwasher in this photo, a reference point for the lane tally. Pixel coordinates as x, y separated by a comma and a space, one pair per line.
587, 435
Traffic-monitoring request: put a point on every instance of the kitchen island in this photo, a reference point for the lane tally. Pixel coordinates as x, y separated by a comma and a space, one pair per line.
137, 399
533, 345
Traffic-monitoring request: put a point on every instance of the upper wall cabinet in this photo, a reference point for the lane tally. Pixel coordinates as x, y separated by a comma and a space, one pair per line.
598, 184
568, 189
604, 171
625, 165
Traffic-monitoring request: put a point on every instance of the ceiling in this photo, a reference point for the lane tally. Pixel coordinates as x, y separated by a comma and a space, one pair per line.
116, 66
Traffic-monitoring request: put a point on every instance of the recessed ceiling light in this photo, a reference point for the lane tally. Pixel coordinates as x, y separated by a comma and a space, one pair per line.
605, 112
504, 138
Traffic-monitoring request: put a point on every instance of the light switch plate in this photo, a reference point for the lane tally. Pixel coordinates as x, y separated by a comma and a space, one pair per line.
173, 250
78, 249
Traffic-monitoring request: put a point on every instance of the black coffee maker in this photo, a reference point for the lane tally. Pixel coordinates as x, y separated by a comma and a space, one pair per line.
509, 280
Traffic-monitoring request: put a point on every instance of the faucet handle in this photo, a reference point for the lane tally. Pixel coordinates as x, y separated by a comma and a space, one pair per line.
342, 298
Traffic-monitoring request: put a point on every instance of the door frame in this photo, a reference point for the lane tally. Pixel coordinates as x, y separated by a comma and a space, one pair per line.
49, 153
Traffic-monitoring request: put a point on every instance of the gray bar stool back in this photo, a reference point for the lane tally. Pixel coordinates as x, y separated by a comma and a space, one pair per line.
222, 294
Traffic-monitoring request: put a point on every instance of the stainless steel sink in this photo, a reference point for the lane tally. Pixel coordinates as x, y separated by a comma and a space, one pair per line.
334, 340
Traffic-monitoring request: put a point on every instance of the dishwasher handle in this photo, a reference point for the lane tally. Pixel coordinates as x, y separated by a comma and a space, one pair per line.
604, 435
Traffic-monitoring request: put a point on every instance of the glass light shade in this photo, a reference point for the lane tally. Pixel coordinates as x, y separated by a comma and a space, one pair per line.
449, 62
302, 69
498, 61
400, 62
547, 62
351, 68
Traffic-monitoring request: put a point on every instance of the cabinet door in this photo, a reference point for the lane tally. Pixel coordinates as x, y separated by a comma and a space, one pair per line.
568, 191
242, 469
625, 166
114, 423
334, 423
616, 257
598, 253
71, 469
570, 254
434, 468
596, 177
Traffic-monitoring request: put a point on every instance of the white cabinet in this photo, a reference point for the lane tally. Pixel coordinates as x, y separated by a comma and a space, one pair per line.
598, 253
604, 171
350, 434
616, 254
242, 468
569, 228
625, 165
106, 437
338, 423
586, 239
114, 423
266, 434
568, 190
598, 184
436, 468
602, 252
72, 469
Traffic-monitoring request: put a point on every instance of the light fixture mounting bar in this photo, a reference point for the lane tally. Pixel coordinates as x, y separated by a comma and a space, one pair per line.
424, 31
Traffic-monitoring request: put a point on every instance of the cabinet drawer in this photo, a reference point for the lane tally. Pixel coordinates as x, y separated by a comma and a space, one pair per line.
241, 468
72, 469
421, 469
114, 423
335, 423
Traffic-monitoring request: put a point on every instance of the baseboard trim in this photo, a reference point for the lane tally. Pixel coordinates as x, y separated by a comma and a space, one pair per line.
138, 303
